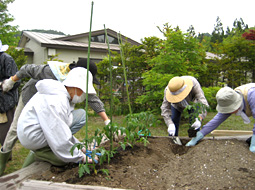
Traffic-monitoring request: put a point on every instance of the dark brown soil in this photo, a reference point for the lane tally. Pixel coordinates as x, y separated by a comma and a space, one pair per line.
212, 164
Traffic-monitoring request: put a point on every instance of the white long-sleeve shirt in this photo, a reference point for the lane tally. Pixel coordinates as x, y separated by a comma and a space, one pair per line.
46, 121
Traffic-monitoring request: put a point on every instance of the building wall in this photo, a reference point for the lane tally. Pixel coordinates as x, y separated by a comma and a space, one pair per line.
39, 52
68, 56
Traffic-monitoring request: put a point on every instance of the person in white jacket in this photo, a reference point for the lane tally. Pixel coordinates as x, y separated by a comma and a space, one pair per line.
48, 121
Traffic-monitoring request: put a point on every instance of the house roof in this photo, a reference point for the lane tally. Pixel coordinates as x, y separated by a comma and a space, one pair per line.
66, 42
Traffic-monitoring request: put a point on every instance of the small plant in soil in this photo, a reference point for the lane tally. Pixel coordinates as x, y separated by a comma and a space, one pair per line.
192, 112
136, 131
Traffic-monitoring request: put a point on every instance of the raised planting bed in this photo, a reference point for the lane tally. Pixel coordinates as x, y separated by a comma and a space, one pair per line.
214, 163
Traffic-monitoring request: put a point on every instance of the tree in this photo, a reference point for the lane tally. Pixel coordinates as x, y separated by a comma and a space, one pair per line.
191, 31
239, 24
218, 32
7, 32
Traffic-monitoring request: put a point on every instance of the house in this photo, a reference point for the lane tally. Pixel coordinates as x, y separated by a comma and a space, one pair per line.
40, 47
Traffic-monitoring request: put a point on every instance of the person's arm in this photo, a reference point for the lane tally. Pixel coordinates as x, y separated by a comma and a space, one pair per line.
97, 105
251, 102
166, 111
37, 72
199, 97
214, 123
104, 117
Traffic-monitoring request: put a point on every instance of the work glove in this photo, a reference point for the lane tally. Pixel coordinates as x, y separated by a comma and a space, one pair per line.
197, 124
252, 146
7, 84
194, 140
106, 122
171, 129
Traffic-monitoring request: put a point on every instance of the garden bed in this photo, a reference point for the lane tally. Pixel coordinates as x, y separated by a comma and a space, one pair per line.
225, 163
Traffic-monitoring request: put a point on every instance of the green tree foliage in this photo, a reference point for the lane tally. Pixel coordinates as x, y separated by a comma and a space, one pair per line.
218, 32
180, 54
135, 65
7, 32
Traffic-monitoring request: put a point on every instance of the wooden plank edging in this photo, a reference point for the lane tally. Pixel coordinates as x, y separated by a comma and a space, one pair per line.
47, 185
13, 180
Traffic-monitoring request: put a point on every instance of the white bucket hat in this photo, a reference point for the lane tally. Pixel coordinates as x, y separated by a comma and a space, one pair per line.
228, 100
178, 89
3, 48
77, 77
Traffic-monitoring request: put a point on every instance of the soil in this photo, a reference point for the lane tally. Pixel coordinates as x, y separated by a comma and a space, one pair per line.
211, 164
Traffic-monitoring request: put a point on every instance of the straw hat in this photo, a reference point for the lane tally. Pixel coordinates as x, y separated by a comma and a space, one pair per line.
77, 77
3, 48
228, 100
178, 89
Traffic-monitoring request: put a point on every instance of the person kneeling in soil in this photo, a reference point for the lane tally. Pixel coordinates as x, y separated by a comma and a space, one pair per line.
48, 121
240, 101
52, 70
179, 92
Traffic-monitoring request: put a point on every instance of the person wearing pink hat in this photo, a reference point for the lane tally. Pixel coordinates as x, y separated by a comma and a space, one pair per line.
179, 92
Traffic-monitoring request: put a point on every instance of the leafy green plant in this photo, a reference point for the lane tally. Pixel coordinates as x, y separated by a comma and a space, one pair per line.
193, 110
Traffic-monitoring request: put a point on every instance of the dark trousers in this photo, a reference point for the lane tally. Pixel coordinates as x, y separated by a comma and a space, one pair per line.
4, 127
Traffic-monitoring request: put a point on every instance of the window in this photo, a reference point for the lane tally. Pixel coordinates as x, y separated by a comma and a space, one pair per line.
112, 40
99, 38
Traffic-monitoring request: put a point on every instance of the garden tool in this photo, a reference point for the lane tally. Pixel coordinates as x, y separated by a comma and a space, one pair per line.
4, 157
176, 140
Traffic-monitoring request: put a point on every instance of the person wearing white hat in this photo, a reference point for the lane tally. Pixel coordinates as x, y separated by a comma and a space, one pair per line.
8, 100
240, 101
48, 121
179, 92
52, 70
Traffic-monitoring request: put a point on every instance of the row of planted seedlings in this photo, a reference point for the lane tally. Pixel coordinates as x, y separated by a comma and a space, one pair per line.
135, 130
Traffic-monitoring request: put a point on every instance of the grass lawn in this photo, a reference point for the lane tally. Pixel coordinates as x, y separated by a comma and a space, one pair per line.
233, 122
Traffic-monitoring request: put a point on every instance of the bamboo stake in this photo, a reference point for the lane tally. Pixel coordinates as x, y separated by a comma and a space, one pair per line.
111, 103
124, 70
88, 57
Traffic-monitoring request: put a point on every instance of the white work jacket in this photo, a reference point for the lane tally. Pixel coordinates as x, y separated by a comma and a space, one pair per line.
46, 121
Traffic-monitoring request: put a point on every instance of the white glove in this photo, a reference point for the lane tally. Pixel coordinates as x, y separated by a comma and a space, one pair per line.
106, 122
7, 84
196, 124
171, 129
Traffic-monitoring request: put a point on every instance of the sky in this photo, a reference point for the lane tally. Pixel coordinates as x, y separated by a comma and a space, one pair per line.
135, 19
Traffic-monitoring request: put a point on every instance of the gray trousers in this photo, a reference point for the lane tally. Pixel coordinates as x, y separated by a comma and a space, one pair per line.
11, 137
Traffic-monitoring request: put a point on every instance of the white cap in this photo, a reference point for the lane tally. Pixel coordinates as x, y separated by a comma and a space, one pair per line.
77, 77
3, 48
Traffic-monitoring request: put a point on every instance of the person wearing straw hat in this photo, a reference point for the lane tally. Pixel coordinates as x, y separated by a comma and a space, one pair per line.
8, 100
48, 121
52, 70
179, 92
240, 101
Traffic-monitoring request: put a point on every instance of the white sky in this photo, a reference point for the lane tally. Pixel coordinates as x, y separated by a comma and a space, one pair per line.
135, 19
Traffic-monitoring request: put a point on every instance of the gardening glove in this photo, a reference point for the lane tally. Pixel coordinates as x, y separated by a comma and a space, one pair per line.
194, 140
7, 84
84, 159
197, 124
171, 129
106, 122
252, 146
